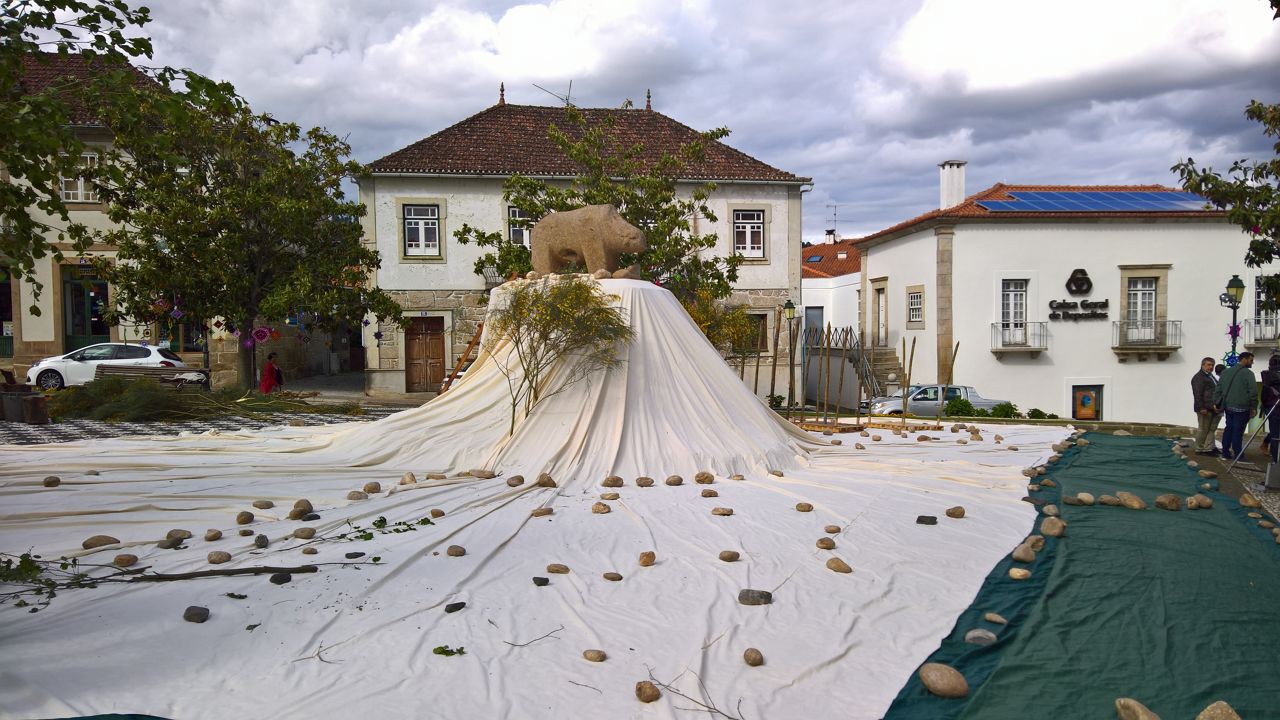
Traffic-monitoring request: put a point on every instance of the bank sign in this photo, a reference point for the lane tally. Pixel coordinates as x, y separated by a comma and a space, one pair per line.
1079, 284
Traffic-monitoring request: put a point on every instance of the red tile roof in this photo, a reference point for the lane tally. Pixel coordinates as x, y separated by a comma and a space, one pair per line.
50, 71
970, 209
506, 139
829, 263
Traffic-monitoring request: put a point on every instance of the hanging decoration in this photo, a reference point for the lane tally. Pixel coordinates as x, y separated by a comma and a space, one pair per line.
261, 334
275, 334
176, 314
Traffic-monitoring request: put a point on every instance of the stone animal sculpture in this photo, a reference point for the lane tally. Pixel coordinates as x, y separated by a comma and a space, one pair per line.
593, 236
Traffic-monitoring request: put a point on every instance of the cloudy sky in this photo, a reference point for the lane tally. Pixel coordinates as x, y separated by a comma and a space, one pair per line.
864, 96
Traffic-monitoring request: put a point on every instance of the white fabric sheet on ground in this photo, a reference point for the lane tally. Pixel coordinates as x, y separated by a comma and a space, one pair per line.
358, 638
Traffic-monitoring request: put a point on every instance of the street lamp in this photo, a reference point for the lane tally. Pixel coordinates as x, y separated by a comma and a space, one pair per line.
789, 310
1231, 298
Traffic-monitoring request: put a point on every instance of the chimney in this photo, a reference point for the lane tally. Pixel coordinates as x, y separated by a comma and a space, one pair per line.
951, 181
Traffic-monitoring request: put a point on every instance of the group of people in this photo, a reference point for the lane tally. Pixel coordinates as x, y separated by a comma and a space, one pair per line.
1232, 392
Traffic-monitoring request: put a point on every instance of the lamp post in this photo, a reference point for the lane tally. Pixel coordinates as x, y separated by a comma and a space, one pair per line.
1231, 298
789, 310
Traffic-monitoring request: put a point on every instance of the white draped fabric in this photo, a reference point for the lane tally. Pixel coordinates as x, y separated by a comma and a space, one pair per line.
836, 645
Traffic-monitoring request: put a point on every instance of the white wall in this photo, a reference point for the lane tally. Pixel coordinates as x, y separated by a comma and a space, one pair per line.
781, 248
475, 202
1202, 255
837, 296
908, 261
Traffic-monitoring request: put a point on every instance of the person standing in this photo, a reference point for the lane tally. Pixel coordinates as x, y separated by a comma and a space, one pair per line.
1237, 396
272, 377
1203, 384
1270, 399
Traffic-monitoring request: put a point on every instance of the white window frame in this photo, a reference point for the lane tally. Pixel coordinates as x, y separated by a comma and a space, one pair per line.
915, 307
1267, 324
1141, 316
749, 233
517, 234
420, 218
1013, 311
77, 189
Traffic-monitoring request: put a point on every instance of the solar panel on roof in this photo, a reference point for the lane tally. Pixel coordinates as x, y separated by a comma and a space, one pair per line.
1097, 201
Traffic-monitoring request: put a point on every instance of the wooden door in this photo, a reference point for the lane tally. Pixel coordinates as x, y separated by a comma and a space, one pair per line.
424, 355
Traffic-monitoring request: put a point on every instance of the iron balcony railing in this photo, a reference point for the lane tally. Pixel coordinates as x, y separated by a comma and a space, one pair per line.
1146, 333
1263, 330
1030, 336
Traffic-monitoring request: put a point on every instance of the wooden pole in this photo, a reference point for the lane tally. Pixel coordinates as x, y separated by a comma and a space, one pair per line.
777, 335
824, 378
911, 364
844, 360
951, 368
755, 383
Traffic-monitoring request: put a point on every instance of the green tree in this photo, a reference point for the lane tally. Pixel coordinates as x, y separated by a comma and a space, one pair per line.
611, 172
40, 145
533, 326
221, 212
1249, 193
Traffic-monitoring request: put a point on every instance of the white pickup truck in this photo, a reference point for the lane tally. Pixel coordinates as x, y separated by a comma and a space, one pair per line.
923, 400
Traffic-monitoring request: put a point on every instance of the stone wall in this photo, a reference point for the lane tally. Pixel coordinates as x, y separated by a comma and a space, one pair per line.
465, 311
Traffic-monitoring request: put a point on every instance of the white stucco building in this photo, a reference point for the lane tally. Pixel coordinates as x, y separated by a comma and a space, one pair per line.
418, 196
831, 284
1093, 302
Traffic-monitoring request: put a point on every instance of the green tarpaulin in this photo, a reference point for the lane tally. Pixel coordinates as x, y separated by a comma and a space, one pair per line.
1175, 609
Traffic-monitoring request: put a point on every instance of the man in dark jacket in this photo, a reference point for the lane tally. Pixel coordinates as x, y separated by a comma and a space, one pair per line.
1271, 403
1237, 395
1202, 386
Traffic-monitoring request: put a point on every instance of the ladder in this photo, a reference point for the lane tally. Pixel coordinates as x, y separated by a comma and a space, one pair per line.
462, 361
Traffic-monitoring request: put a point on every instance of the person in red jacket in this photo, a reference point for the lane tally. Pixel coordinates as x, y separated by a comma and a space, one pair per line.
272, 377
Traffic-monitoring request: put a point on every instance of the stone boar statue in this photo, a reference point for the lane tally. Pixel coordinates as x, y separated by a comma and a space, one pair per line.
594, 236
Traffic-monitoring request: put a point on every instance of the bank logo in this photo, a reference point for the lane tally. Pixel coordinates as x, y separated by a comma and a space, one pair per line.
1079, 283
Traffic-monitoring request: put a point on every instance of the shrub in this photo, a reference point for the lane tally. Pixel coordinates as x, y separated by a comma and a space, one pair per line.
1051, 416
1036, 414
775, 401
960, 407
981, 412
114, 398
1005, 410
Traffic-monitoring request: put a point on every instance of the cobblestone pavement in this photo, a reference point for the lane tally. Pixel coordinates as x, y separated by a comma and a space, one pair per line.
12, 433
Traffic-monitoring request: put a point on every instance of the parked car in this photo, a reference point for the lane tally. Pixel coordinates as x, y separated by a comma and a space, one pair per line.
867, 404
923, 400
77, 367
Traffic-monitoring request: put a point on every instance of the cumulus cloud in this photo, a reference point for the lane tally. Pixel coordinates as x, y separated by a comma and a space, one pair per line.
866, 97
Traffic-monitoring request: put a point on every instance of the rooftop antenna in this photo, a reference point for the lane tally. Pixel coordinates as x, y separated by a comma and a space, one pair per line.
832, 231
562, 98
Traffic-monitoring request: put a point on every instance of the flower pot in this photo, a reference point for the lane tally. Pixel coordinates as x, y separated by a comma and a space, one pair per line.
12, 402
35, 409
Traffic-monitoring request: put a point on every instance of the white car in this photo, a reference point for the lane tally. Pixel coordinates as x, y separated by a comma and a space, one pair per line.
77, 367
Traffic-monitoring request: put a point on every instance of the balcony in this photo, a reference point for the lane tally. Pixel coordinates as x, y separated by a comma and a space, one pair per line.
1260, 332
1143, 338
1024, 338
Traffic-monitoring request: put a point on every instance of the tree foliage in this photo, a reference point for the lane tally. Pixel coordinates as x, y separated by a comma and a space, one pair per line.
646, 195
567, 324
644, 192
1249, 193
221, 212
40, 145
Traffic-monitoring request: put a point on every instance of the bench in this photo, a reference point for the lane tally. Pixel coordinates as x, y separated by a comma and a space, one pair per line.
174, 378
